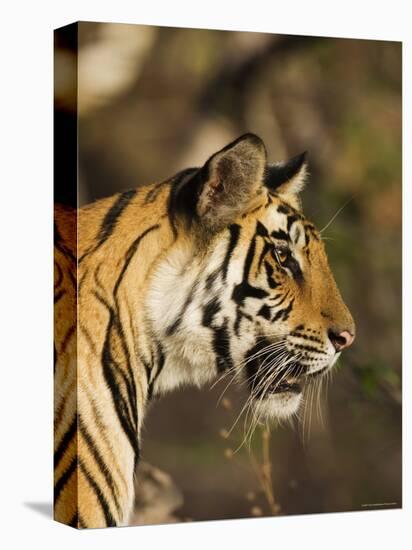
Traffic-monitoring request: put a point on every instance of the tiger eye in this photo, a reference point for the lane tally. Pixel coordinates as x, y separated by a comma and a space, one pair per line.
282, 255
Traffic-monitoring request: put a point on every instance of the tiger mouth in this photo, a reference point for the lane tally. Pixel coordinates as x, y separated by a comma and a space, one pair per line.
291, 381
290, 378
295, 384
290, 385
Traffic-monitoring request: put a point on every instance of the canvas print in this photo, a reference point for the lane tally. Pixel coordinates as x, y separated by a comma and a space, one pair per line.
227, 327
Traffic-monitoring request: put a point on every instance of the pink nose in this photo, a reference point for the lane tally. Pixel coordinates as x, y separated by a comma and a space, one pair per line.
342, 340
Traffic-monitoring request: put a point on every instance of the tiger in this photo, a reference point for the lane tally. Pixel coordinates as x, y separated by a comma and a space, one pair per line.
214, 271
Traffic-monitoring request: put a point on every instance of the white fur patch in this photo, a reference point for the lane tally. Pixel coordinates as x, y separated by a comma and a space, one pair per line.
280, 405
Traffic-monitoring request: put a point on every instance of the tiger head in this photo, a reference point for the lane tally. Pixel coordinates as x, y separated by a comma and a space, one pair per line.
247, 289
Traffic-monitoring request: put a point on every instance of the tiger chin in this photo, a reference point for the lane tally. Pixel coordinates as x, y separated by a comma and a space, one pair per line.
215, 272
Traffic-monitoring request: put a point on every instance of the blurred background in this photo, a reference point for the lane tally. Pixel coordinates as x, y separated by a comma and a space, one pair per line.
152, 101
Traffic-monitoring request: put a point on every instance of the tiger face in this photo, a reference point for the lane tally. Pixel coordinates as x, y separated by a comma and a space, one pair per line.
288, 300
247, 290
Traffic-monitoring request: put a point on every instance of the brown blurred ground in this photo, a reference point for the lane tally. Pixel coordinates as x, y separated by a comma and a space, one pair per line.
155, 100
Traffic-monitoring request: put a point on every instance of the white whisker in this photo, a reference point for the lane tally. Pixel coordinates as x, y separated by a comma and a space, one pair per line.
337, 214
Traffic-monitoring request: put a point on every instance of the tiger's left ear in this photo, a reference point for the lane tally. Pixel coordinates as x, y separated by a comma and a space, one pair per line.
287, 179
231, 180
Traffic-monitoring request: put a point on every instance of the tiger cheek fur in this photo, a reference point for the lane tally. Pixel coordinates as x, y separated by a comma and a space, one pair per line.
214, 272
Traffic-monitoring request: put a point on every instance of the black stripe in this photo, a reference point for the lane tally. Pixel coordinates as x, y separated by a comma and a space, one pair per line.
59, 295
121, 406
89, 338
74, 521
239, 316
82, 279
153, 192
280, 235
60, 245
311, 231
284, 313
245, 290
211, 309
234, 230
110, 220
59, 486
59, 277
66, 339
160, 359
100, 462
266, 248
221, 346
73, 278
130, 402
110, 521
102, 432
129, 380
221, 338
306, 337
103, 301
113, 214
171, 329
269, 275
59, 411
65, 442
294, 267
265, 312
211, 278
297, 236
292, 219
246, 214
148, 370
249, 259
261, 230
276, 297
309, 348
97, 280
284, 208
119, 402
281, 298
130, 253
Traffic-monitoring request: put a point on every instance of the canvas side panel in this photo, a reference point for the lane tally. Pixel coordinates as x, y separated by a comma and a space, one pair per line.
65, 276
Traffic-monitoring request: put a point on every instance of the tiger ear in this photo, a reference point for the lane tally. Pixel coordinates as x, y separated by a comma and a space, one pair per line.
231, 179
287, 179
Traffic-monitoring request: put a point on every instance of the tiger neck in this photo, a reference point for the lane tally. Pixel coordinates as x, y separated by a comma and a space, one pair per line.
180, 306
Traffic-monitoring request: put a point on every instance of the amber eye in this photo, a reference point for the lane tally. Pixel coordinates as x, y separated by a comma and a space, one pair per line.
282, 255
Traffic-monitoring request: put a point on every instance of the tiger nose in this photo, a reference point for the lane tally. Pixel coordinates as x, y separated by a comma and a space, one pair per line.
341, 340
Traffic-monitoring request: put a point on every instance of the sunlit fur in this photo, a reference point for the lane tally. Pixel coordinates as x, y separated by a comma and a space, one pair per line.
183, 283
